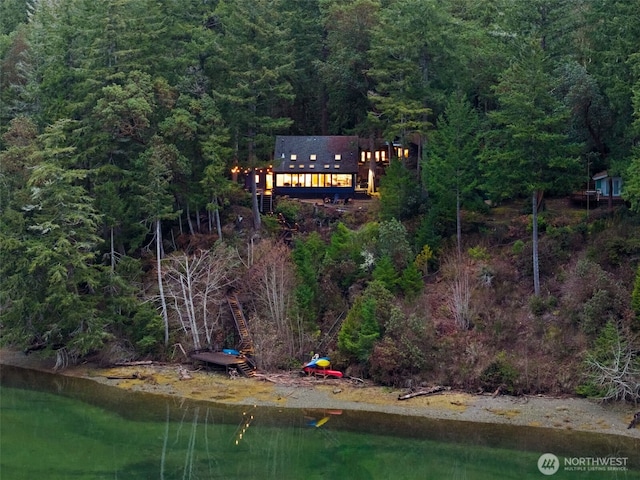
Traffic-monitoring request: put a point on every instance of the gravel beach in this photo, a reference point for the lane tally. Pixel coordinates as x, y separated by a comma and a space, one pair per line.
293, 390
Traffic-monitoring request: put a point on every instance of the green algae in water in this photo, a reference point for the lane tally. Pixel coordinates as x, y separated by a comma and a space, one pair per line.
69, 429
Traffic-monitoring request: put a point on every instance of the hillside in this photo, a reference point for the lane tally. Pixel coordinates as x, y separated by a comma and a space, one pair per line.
476, 324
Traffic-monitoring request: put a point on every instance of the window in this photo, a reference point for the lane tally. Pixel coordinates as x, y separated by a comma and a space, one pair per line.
301, 165
294, 157
336, 166
342, 179
616, 186
338, 157
313, 157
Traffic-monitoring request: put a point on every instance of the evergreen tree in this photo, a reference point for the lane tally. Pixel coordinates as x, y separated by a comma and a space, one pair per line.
157, 166
251, 80
399, 193
528, 149
415, 65
365, 323
307, 256
309, 110
50, 297
410, 281
451, 170
346, 64
385, 272
611, 41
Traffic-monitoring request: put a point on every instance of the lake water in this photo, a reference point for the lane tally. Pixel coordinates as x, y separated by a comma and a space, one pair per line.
56, 427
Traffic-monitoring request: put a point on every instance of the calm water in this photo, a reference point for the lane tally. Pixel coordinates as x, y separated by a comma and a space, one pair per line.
54, 427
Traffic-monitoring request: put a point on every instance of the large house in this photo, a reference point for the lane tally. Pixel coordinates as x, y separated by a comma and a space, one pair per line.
336, 168
316, 166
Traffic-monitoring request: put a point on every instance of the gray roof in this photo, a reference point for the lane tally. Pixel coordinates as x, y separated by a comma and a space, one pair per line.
333, 154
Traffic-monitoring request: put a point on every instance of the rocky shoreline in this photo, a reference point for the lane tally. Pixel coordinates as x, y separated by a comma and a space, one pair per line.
292, 390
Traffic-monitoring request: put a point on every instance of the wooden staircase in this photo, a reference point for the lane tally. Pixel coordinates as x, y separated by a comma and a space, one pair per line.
246, 342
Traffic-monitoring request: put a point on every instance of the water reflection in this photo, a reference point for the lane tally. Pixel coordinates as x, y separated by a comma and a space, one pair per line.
62, 427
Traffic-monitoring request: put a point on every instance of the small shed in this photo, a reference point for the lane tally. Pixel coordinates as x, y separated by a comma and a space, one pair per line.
316, 166
606, 184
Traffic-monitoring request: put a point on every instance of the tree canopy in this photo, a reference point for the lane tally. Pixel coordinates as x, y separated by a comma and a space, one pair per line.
121, 123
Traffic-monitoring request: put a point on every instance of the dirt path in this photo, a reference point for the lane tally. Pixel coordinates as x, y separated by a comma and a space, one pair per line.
296, 391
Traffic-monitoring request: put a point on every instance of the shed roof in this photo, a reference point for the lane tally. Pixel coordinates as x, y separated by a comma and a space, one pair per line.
320, 154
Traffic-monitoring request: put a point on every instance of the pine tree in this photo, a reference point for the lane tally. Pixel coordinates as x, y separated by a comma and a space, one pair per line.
451, 170
55, 284
529, 152
251, 81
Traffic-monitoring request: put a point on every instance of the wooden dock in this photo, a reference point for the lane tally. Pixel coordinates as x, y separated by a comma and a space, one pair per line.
243, 364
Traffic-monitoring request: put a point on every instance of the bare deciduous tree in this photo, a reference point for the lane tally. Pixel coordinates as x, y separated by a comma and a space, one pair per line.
459, 300
272, 282
195, 287
619, 376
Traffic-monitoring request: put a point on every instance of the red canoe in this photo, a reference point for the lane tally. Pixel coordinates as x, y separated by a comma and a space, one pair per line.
323, 371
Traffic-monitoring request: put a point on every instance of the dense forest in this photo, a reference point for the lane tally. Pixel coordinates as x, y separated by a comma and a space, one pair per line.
120, 219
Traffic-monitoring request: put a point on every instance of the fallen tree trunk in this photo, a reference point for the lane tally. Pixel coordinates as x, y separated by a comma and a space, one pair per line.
427, 391
133, 364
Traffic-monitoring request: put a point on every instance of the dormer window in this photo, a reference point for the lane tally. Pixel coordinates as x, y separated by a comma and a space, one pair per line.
338, 157
336, 166
313, 157
301, 166
292, 166
294, 157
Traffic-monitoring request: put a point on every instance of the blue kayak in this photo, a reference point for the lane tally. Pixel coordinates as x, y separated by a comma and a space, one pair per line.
318, 362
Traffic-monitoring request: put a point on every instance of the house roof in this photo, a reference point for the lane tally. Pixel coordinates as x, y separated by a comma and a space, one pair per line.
603, 174
318, 154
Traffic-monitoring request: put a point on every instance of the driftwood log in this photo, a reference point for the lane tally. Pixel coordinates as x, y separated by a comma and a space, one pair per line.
424, 391
133, 364
133, 376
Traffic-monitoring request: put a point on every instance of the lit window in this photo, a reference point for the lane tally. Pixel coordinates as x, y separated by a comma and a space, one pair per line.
313, 156
336, 166
338, 157
294, 156
312, 166
301, 166
327, 166
292, 166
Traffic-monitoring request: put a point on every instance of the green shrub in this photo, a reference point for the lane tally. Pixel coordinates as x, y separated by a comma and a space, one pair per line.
500, 374
538, 305
517, 247
289, 209
479, 253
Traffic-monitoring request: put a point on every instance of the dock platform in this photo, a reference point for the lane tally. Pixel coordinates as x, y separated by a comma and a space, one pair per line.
241, 363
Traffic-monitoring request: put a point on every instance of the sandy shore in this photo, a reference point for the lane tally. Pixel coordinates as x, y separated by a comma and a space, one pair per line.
295, 391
